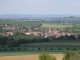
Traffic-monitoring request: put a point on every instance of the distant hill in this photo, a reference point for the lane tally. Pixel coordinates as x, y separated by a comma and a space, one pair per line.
31, 16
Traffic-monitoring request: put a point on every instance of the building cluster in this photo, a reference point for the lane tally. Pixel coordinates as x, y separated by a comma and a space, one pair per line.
10, 30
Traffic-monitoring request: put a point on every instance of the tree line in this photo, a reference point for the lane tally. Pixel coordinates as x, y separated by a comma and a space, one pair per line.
18, 39
66, 37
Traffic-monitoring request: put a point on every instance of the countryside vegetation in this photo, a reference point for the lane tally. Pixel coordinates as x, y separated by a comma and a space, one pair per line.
68, 55
21, 37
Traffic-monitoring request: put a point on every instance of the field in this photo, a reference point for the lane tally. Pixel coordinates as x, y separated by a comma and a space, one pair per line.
28, 57
50, 25
21, 23
55, 47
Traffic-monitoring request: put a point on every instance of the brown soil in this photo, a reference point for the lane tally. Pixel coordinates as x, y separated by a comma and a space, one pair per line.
28, 57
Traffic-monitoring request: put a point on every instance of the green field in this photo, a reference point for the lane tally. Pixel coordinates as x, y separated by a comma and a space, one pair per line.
56, 46
17, 53
21, 23
50, 25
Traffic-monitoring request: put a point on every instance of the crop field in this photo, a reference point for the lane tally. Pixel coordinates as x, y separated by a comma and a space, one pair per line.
55, 46
28, 57
50, 25
32, 50
21, 23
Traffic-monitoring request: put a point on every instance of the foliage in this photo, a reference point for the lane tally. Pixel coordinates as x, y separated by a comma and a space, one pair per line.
3, 40
66, 37
70, 56
18, 39
46, 56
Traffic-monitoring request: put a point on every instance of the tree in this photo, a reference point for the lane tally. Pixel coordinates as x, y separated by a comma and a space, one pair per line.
71, 37
1, 29
46, 56
70, 56
3, 40
11, 41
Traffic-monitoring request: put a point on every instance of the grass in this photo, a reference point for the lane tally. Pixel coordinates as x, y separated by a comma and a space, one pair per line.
44, 47
18, 53
21, 23
33, 49
55, 44
50, 25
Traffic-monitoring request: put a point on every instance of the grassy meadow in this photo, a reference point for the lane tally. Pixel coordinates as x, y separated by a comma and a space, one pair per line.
21, 23
36, 48
50, 25
31, 51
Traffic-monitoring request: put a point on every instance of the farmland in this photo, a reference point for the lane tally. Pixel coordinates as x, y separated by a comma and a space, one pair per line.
28, 57
51, 47
33, 50
21, 23
50, 25
34, 24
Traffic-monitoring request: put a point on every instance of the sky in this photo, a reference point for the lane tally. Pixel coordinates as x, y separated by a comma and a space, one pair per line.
69, 7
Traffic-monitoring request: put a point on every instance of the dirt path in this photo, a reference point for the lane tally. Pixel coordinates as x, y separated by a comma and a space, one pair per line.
28, 57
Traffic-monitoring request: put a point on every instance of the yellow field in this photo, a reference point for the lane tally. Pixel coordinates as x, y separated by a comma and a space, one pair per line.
48, 25
28, 57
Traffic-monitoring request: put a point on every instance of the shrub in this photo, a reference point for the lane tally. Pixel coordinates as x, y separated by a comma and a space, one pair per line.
46, 56
74, 49
32, 49
67, 49
5, 49
25, 49
12, 49
59, 48
51, 49
68, 55
18, 48
45, 48
39, 49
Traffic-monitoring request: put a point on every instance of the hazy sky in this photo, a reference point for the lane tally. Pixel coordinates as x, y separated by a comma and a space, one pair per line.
40, 7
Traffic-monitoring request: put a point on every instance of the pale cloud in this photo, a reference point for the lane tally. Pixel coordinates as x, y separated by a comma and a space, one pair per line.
40, 6
77, 2
29, 1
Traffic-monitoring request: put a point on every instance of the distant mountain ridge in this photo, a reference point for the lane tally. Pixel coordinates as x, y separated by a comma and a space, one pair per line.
31, 16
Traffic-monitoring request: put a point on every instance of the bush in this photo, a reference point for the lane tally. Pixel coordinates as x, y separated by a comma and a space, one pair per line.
59, 48
18, 48
5, 49
46, 56
12, 49
74, 49
67, 48
25, 49
39, 49
68, 55
51, 49
45, 48
32, 49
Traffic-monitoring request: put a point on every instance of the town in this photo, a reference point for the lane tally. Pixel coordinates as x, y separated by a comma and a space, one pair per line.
8, 29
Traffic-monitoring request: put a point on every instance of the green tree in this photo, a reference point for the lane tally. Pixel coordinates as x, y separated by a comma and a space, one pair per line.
70, 56
11, 42
3, 41
46, 56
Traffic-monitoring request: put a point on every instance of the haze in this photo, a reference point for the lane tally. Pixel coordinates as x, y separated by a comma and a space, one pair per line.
70, 7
